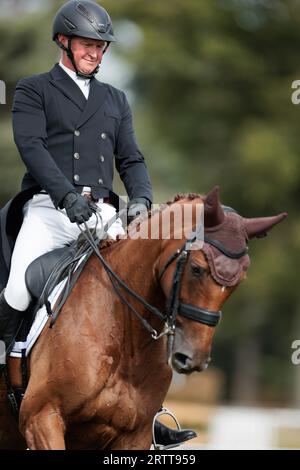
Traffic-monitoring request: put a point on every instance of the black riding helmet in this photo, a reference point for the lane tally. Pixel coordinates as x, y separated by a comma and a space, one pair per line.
82, 18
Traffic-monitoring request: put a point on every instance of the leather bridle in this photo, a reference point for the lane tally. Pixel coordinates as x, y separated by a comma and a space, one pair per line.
174, 306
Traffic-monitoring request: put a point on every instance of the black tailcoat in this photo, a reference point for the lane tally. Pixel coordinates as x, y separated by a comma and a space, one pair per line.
68, 142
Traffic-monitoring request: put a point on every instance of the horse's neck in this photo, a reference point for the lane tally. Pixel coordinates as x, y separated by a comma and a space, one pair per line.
134, 261
142, 369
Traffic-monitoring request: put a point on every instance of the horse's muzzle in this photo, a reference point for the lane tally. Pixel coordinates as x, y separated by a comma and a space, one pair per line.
184, 364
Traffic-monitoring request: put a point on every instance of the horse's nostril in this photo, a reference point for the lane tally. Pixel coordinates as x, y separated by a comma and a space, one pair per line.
182, 360
183, 363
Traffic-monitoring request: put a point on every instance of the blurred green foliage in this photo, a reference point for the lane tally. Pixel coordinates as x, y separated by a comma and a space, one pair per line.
212, 85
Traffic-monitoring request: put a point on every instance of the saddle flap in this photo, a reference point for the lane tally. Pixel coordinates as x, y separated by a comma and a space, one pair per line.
40, 269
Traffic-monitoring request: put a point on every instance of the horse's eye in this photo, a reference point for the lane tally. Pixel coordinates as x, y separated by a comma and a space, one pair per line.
197, 270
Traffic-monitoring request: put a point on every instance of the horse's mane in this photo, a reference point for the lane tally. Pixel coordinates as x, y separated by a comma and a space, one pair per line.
108, 242
189, 196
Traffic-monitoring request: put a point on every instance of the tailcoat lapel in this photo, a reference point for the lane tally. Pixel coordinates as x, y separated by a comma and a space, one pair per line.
96, 99
64, 83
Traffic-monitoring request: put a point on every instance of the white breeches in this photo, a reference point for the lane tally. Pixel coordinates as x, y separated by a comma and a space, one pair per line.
44, 229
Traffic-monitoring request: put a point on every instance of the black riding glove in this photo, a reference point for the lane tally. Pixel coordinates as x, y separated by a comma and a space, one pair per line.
137, 207
77, 207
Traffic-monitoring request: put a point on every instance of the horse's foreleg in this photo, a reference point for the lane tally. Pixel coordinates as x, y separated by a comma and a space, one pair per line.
44, 430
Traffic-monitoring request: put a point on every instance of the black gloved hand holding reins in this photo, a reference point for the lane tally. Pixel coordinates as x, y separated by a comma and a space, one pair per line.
78, 208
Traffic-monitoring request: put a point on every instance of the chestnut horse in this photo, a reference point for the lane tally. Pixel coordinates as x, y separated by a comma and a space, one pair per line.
98, 377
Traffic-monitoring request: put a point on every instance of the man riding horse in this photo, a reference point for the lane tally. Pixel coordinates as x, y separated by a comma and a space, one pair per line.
70, 129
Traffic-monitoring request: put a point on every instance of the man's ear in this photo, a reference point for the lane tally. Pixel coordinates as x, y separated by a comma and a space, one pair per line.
63, 39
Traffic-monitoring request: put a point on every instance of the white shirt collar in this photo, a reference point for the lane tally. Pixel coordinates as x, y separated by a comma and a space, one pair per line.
73, 74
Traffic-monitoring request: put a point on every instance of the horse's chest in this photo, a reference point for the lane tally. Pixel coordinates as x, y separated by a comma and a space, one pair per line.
123, 405
120, 406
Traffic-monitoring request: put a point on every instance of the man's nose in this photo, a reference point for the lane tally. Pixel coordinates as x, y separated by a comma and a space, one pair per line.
93, 53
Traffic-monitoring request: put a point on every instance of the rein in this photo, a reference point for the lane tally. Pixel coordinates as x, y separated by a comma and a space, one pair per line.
117, 282
173, 306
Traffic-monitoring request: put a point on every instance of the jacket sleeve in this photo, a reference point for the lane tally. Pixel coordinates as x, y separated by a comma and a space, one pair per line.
130, 162
30, 135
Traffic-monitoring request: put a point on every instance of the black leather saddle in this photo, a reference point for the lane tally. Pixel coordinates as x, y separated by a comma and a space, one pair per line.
39, 271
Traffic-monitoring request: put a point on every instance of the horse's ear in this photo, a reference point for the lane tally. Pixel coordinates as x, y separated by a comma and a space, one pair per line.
259, 227
213, 212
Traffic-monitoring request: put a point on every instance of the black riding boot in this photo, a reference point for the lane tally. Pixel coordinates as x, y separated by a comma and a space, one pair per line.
165, 436
9, 322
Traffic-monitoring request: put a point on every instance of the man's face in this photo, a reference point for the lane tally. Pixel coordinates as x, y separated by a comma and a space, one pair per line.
87, 53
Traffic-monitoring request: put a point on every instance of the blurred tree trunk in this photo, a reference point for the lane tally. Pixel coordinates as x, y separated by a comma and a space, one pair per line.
248, 354
245, 383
